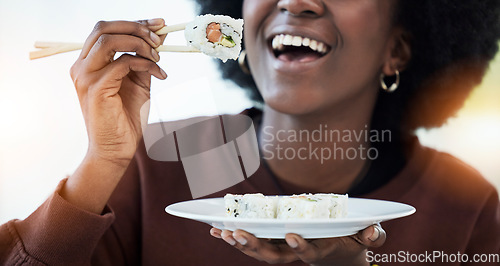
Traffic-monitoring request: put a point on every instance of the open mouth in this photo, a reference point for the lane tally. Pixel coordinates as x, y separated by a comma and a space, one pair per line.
297, 48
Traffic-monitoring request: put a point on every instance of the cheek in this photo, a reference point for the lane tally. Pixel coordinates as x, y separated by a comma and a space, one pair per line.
369, 22
255, 13
360, 18
249, 18
249, 7
365, 31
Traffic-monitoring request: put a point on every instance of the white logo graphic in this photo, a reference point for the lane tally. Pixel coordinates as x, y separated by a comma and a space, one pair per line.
217, 152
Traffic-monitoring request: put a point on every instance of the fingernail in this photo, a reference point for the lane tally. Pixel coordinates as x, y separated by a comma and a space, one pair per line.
241, 240
375, 235
163, 74
292, 242
155, 55
230, 241
155, 22
214, 233
155, 38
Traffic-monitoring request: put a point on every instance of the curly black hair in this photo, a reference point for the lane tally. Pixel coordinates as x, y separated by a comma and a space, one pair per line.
452, 44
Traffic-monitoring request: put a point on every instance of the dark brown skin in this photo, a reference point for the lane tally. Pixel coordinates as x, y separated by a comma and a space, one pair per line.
330, 251
111, 93
337, 90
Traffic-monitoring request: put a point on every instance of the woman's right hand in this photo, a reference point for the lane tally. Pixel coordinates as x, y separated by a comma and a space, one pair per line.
348, 250
112, 92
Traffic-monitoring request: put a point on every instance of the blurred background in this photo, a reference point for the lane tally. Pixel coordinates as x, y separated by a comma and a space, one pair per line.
42, 132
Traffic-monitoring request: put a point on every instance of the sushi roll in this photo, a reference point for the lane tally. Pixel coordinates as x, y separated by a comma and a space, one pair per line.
338, 204
218, 36
304, 206
312, 206
250, 206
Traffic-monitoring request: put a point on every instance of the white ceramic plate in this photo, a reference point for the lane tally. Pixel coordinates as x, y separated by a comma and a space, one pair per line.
361, 214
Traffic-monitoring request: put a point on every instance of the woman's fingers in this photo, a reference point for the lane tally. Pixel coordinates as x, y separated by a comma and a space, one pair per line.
310, 252
340, 250
104, 50
126, 63
372, 237
143, 29
228, 237
215, 232
108, 81
154, 24
329, 250
111, 76
259, 249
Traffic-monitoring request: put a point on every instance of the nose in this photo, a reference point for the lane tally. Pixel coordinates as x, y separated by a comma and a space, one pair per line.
307, 8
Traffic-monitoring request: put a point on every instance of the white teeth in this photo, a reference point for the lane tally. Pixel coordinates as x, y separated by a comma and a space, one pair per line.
276, 43
288, 40
297, 41
280, 41
306, 41
321, 47
314, 45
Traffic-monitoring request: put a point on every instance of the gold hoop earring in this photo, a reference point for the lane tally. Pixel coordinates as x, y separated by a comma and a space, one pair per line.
394, 85
242, 61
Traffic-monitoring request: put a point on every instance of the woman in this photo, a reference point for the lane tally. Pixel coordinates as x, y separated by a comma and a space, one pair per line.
110, 211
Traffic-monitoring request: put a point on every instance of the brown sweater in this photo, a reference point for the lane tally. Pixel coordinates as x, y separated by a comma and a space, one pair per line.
457, 211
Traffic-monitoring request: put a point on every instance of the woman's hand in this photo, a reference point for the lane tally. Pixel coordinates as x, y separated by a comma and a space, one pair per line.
349, 250
111, 92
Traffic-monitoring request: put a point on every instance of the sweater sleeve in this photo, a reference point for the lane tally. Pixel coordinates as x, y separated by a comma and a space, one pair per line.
484, 241
57, 233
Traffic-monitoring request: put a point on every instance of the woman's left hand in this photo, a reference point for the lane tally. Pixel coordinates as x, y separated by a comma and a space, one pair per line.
349, 250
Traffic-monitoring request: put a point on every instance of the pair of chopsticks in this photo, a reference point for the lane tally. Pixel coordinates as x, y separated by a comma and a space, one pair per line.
52, 48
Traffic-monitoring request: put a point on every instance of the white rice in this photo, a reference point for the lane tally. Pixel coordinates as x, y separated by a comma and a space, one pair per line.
338, 204
196, 36
250, 206
304, 206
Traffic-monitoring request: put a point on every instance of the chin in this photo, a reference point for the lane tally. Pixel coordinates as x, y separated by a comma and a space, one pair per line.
293, 104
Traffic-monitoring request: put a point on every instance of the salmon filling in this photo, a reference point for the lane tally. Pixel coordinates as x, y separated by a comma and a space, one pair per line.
215, 35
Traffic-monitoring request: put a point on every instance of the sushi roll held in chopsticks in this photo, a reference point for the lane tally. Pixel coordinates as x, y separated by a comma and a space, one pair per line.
214, 35
218, 36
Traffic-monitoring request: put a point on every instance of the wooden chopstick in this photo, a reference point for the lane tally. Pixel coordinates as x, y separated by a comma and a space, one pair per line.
43, 45
171, 28
177, 48
58, 48
52, 48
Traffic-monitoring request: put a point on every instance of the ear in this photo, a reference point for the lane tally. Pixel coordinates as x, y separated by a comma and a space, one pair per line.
398, 53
